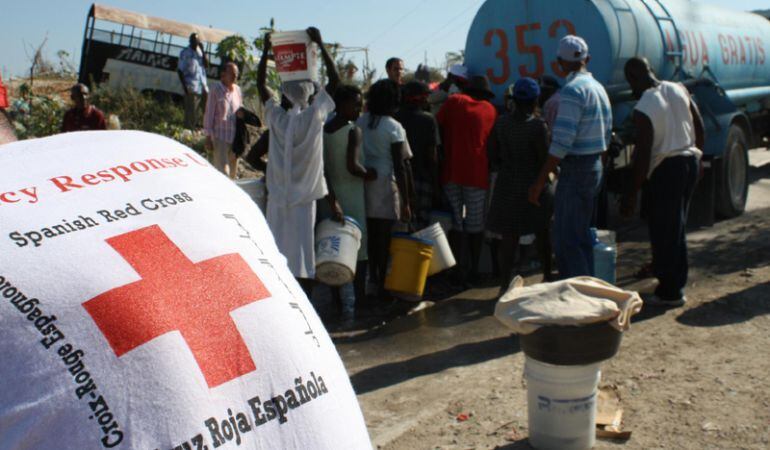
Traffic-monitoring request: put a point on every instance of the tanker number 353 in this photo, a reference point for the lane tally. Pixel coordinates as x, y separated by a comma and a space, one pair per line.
524, 49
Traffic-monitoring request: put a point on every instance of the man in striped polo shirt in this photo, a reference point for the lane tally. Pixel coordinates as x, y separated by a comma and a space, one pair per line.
580, 135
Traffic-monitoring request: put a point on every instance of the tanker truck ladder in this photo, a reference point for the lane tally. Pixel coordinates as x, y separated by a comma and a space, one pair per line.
676, 53
626, 9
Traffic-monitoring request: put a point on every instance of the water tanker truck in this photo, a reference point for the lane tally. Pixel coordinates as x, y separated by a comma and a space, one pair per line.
721, 55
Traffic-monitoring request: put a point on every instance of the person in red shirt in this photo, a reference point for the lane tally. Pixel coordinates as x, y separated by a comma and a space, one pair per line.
3, 95
83, 116
466, 120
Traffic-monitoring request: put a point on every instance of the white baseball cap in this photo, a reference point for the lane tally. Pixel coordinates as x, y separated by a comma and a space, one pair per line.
459, 70
572, 48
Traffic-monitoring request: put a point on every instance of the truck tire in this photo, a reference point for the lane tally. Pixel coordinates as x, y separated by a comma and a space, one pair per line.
732, 181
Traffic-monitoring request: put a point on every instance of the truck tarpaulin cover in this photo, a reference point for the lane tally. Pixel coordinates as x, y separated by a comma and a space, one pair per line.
144, 305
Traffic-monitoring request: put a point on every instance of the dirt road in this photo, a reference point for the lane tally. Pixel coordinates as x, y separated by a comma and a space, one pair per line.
697, 377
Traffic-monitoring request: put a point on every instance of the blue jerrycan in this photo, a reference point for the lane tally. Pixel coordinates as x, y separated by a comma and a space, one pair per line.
605, 258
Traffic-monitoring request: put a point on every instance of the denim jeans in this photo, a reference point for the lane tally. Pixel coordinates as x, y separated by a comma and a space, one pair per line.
670, 188
324, 302
348, 300
576, 191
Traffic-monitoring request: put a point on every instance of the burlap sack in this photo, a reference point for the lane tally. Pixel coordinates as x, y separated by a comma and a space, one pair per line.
575, 301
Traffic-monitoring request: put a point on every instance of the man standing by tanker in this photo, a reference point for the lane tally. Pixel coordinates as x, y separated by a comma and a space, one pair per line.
394, 67
580, 135
669, 136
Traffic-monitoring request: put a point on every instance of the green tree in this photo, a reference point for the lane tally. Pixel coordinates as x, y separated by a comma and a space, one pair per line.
236, 49
239, 50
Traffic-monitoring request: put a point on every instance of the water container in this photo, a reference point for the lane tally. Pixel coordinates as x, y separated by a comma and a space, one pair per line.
442, 217
604, 262
606, 236
409, 263
605, 254
442, 258
336, 251
561, 405
255, 187
296, 56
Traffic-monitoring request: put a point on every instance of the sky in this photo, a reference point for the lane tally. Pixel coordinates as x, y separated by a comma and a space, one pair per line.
415, 30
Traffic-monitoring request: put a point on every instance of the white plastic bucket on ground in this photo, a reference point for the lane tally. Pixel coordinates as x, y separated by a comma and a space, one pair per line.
336, 251
255, 187
442, 258
442, 217
296, 56
561, 404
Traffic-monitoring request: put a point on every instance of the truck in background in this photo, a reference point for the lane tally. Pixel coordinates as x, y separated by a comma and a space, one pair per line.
124, 48
721, 55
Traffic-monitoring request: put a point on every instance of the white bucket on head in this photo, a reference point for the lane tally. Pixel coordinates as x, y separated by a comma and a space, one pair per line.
561, 404
442, 258
296, 56
336, 251
255, 187
442, 217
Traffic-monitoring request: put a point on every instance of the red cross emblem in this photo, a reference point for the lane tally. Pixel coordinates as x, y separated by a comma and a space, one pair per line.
176, 294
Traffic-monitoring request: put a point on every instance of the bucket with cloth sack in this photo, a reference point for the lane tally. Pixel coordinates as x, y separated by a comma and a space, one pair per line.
442, 258
336, 251
296, 56
566, 329
409, 263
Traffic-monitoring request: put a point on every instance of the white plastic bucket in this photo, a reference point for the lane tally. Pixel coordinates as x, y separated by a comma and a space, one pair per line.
255, 187
336, 251
296, 56
442, 258
442, 217
561, 404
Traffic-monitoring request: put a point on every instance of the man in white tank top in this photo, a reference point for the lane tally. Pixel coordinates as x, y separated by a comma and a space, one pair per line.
669, 136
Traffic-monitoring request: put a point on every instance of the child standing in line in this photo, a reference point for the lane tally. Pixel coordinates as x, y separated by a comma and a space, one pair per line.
386, 150
345, 177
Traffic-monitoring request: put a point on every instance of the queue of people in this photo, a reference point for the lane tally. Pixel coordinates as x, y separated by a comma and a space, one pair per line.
389, 157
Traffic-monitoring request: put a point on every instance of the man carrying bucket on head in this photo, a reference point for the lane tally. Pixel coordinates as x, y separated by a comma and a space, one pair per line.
295, 177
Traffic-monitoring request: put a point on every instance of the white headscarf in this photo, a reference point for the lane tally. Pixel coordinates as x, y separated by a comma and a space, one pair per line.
298, 92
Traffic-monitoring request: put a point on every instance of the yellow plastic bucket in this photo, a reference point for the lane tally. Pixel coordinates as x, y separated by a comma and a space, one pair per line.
409, 263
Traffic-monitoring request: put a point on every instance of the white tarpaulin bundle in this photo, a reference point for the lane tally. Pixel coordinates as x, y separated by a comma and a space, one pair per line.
144, 305
575, 301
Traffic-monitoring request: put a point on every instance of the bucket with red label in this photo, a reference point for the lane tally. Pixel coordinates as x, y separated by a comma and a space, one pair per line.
296, 56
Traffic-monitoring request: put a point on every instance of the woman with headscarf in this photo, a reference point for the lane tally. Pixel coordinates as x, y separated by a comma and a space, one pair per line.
295, 176
518, 146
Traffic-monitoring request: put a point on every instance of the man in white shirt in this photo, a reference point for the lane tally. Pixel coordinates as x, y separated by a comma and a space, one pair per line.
669, 136
295, 177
